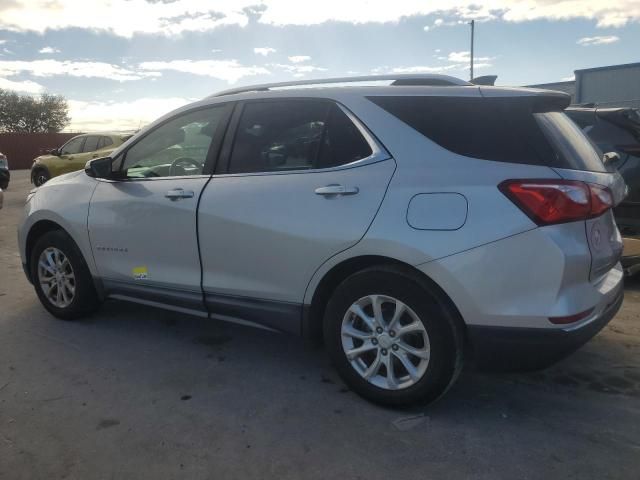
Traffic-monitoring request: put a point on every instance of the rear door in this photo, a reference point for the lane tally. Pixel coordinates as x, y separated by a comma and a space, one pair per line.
302, 181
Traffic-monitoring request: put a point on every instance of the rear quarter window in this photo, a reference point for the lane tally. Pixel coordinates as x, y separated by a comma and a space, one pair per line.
504, 129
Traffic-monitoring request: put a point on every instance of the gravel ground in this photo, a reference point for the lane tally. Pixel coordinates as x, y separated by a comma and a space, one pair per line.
137, 393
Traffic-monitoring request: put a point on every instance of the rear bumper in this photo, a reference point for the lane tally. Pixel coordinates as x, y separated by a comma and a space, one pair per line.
510, 348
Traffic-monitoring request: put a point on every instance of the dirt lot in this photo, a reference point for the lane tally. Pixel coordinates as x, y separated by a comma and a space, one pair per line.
142, 393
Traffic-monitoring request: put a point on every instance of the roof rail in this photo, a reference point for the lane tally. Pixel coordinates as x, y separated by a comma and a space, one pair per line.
399, 80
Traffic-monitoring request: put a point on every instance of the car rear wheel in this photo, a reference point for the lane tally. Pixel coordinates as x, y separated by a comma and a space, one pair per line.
39, 177
391, 339
61, 277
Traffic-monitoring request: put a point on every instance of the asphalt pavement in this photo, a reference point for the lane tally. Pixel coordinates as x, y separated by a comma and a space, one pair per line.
135, 392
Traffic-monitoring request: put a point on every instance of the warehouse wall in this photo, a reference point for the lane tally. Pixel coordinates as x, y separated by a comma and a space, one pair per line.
609, 87
22, 148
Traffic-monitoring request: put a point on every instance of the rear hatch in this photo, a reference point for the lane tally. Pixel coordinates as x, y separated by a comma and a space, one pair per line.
580, 160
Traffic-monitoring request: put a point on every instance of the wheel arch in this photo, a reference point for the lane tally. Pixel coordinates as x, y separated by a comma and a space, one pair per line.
313, 313
35, 232
36, 167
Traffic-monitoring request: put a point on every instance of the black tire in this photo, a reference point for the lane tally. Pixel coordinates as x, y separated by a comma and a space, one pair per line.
85, 299
441, 324
39, 177
4, 185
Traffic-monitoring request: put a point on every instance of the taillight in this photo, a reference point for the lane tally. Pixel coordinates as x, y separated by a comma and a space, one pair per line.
557, 201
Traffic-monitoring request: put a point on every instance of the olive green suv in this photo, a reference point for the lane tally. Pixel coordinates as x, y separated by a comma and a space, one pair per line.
74, 154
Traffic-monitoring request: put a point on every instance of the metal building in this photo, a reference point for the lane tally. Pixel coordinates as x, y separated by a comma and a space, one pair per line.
566, 87
611, 86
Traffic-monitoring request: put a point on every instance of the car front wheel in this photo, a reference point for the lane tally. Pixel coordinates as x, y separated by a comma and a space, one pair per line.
61, 277
39, 177
391, 339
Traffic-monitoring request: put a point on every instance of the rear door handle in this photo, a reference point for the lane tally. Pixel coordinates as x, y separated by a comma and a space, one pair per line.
178, 193
336, 190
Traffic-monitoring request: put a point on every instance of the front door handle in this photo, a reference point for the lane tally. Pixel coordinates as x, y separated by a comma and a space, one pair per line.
178, 193
335, 189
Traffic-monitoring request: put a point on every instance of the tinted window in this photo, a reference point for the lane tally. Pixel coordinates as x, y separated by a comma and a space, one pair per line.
91, 144
72, 146
343, 143
176, 148
499, 129
294, 135
575, 148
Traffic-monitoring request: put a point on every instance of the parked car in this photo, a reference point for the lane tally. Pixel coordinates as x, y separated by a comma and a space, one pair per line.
428, 220
5, 174
618, 130
74, 154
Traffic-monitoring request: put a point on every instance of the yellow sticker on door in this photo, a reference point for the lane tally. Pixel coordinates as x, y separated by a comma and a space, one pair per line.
140, 273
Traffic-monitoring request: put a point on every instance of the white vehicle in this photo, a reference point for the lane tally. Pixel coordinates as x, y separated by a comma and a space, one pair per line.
404, 225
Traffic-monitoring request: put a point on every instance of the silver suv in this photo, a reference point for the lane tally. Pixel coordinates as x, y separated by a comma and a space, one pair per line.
404, 225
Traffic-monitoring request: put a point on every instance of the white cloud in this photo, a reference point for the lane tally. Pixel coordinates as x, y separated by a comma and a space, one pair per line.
215, 50
264, 51
229, 70
49, 68
426, 28
601, 40
122, 17
298, 70
49, 50
2, 42
95, 116
26, 86
464, 57
299, 58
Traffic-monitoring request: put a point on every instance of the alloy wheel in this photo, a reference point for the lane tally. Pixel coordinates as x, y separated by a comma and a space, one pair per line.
385, 342
56, 277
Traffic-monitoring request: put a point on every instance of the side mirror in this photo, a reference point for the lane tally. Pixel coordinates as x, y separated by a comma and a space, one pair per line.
55, 152
99, 167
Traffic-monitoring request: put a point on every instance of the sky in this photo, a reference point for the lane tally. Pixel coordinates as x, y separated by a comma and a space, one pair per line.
123, 63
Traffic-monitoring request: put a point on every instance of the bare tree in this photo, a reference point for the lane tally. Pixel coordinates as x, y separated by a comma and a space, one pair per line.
26, 114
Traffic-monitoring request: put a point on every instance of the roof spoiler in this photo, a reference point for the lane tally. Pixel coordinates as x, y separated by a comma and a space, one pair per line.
489, 80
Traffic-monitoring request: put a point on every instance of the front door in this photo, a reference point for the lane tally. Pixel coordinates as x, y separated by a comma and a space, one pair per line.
71, 154
143, 228
303, 183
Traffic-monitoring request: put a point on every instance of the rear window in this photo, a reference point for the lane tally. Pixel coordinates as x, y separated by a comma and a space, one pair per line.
574, 147
499, 129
